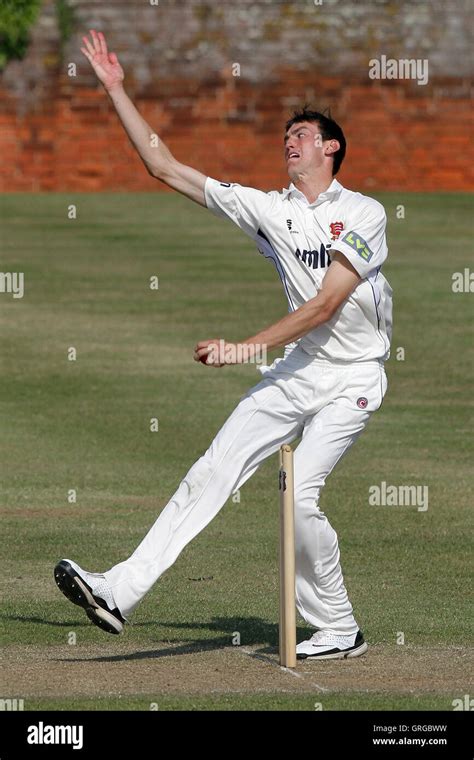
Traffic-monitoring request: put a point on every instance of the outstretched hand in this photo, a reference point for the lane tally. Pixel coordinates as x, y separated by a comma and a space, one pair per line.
218, 352
207, 352
105, 64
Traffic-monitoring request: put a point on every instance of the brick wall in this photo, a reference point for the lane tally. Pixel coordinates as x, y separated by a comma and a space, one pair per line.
59, 132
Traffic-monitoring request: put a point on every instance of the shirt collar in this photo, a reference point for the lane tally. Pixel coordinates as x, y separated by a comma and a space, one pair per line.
330, 194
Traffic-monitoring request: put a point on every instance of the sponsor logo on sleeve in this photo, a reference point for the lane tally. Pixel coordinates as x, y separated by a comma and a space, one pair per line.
359, 245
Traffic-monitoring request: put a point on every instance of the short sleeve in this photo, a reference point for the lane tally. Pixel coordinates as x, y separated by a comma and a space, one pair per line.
364, 243
245, 206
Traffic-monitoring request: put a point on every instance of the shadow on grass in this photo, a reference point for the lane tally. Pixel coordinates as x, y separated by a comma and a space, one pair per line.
191, 647
252, 631
44, 621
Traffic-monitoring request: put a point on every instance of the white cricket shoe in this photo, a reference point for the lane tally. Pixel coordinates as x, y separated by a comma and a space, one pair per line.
91, 592
330, 646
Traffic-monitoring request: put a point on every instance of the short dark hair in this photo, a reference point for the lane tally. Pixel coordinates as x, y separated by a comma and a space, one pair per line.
330, 130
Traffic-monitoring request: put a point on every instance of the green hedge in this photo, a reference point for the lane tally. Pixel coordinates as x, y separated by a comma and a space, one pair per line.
16, 19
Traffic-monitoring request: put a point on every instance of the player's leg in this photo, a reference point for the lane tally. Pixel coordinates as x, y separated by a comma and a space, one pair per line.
263, 420
322, 598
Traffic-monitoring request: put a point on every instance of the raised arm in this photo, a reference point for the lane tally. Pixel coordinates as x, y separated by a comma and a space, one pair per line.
158, 160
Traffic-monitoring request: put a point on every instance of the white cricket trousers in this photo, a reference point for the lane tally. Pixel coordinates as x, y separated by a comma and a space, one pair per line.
328, 404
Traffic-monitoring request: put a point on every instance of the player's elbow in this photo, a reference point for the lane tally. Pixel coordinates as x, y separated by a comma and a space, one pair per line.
166, 170
160, 170
154, 171
326, 314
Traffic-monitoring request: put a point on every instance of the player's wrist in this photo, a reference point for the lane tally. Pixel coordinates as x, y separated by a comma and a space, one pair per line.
251, 348
114, 89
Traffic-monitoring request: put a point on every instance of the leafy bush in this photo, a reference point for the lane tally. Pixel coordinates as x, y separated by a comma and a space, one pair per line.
16, 19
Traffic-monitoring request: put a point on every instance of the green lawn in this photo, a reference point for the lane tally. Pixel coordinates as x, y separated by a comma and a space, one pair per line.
84, 425
249, 702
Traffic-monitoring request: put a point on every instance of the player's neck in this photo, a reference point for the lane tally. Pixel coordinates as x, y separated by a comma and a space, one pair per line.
312, 186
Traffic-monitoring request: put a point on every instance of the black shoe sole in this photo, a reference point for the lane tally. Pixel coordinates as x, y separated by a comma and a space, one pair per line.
79, 592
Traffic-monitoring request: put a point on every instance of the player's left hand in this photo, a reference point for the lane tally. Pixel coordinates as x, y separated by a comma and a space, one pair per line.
217, 353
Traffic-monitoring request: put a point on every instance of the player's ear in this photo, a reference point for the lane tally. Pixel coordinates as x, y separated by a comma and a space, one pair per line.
332, 147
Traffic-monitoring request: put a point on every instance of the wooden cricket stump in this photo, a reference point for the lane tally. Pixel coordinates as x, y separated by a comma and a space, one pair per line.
287, 560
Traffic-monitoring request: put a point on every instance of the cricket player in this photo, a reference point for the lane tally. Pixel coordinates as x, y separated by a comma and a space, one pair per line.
328, 245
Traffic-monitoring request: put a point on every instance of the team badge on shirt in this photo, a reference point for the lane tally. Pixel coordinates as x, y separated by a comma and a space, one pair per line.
336, 229
362, 402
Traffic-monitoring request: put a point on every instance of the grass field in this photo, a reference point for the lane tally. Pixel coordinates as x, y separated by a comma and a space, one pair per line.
84, 425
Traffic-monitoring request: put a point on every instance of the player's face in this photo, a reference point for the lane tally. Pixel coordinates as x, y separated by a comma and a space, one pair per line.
303, 148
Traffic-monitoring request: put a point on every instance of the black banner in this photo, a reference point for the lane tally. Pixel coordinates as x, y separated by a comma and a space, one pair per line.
98, 734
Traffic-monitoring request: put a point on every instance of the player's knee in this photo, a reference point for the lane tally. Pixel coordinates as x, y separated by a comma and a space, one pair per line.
308, 517
306, 498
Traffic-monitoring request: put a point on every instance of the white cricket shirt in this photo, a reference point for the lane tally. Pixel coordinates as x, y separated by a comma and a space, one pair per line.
298, 237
